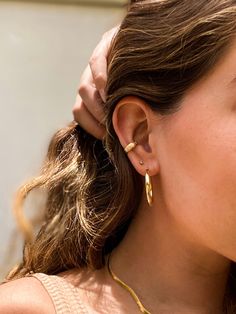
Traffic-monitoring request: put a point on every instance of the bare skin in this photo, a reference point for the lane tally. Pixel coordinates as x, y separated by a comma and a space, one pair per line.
192, 221
181, 248
187, 238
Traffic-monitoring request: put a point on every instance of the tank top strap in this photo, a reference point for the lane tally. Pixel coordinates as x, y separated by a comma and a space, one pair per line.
64, 295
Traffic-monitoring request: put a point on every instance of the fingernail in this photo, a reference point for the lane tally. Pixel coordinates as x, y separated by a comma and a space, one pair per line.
102, 94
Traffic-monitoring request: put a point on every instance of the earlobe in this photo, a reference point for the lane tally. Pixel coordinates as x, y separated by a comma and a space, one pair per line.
131, 122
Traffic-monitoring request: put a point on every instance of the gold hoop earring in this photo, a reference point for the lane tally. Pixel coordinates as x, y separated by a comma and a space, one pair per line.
129, 147
148, 186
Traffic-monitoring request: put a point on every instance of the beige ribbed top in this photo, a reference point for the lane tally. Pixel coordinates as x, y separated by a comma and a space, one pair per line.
65, 296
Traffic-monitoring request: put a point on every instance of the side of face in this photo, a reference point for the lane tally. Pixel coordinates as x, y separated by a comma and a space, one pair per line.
196, 152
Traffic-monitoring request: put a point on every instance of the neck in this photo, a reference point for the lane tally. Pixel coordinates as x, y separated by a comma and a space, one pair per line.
169, 270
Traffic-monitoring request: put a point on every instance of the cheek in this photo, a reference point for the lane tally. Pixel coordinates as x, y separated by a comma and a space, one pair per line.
198, 174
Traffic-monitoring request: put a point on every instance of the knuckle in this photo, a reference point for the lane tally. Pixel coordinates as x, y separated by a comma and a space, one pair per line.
83, 89
99, 77
77, 108
75, 111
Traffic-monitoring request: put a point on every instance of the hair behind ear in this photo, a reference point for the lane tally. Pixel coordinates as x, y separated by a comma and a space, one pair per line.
90, 203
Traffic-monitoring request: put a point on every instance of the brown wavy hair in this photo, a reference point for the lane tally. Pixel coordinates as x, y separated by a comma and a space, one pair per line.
161, 49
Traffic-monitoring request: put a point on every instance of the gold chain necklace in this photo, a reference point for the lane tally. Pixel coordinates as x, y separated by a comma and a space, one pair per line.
130, 290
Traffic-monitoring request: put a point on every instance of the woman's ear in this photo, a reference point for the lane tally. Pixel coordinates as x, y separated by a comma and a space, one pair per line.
132, 122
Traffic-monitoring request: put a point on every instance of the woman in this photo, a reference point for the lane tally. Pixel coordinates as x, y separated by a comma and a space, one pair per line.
111, 243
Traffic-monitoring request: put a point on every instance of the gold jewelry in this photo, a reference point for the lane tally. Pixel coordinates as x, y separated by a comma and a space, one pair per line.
130, 146
124, 285
148, 186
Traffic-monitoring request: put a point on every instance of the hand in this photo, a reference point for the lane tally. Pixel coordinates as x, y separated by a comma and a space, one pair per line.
88, 109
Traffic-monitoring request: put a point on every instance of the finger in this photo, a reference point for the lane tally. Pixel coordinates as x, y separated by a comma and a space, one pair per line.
84, 118
98, 65
90, 96
98, 60
93, 101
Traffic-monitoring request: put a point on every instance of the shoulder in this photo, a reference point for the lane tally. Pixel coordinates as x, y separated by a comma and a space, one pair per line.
26, 295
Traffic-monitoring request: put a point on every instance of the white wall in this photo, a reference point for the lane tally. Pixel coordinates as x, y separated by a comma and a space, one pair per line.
43, 50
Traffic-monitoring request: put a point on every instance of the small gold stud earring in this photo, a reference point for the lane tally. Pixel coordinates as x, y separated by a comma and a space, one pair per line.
141, 162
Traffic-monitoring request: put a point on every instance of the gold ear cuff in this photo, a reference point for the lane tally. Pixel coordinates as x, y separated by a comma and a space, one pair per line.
130, 146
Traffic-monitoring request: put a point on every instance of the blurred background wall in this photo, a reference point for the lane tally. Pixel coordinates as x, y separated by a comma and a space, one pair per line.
44, 49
